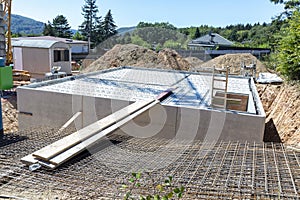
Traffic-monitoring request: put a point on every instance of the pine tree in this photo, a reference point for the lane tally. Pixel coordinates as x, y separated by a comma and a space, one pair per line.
91, 26
197, 33
109, 27
61, 27
48, 29
58, 28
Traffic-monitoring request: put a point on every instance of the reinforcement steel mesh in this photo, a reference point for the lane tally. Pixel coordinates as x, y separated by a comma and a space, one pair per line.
216, 171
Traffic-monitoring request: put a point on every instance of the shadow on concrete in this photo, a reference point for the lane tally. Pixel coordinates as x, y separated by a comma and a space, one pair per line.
271, 133
7, 139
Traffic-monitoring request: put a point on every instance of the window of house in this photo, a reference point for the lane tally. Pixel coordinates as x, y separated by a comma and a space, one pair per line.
61, 55
66, 55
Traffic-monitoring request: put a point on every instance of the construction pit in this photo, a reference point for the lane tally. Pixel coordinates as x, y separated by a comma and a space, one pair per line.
213, 153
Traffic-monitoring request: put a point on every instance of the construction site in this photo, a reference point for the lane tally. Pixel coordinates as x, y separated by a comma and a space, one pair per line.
209, 126
213, 152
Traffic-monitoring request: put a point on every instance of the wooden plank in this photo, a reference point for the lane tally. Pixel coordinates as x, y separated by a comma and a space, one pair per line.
65, 143
222, 89
47, 164
221, 80
75, 150
70, 121
29, 160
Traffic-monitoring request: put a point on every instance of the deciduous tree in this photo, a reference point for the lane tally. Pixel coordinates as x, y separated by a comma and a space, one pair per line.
289, 51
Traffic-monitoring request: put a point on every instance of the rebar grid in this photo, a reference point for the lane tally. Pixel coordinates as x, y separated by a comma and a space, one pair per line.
216, 171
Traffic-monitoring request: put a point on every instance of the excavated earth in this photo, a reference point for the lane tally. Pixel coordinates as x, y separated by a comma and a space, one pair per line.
281, 102
9, 112
133, 55
235, 61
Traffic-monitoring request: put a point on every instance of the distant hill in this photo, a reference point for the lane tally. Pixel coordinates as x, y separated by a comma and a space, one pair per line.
124, 30
25, 25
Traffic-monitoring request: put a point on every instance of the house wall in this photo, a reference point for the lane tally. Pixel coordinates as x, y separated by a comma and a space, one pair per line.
35, 60
79, 48
41, 108
65, 65
18, 58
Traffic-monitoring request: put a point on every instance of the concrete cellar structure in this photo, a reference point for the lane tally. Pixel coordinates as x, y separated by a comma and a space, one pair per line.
186, 114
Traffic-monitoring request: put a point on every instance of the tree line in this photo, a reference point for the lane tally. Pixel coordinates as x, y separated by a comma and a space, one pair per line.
93, 29
286, 57
281, 35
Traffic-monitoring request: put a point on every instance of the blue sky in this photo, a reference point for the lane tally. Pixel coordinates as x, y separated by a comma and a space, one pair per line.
179, 13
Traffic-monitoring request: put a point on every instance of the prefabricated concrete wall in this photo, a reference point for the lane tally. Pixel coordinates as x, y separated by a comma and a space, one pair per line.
196, 124
39, 109
50, 109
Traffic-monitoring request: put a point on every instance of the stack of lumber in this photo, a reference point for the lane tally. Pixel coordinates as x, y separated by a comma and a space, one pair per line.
21, 75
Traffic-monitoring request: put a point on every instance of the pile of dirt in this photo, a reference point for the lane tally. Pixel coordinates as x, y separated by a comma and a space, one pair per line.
194, 62
9, 113
134, 55
281, 104
235, 62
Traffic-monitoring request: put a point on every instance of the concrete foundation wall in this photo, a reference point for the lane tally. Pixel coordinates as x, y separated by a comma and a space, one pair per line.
200, 124
41, 108
38, 109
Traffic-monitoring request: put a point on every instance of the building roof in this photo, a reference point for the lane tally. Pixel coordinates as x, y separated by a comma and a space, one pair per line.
211, 39
45, 44
51, 38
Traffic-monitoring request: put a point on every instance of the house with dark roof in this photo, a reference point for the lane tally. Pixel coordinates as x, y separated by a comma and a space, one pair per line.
209, 41
213, 44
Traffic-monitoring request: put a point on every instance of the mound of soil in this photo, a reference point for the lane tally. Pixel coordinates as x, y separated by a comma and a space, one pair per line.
134, 55
282, 104
9, 113
235, 62
194, 62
